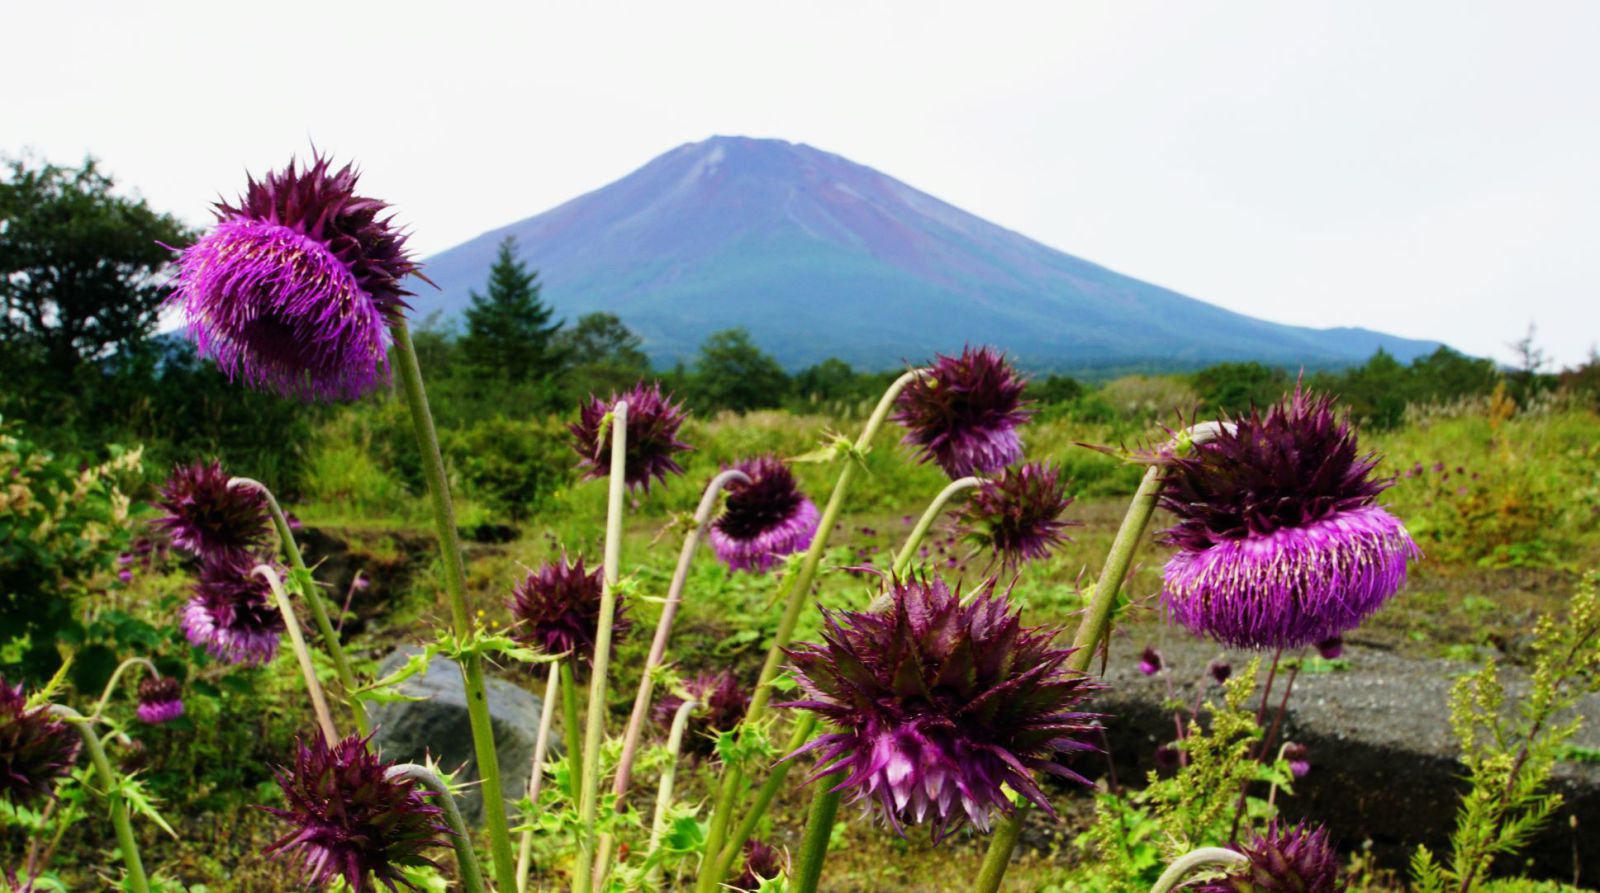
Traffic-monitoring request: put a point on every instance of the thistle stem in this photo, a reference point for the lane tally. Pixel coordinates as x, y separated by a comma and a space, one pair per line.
920, 532
541, 746
111, 684
669, 775
571, 724
455, 579
1188, 862
313, 598
814, 845
466, 857
595, 725
297, 642
137, 882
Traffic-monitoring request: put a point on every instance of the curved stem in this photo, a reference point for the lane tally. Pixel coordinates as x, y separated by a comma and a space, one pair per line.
669, 774
301, 653
541, 746
931, 514
119, 809
819, 831
455, 579
1188, 862
313, 598
111, 684
595, 722
571, 724
466, 857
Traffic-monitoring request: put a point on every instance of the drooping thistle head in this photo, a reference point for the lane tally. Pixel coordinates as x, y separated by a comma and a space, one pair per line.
348, 819
938, 706
1281, 542
1150, 661
653, 422
1017, 514
295, 287
721, 703
36, 749
765, 519
761, 863
204, 516
160, 700
963, 414
232, 613
556, 609
1283, 860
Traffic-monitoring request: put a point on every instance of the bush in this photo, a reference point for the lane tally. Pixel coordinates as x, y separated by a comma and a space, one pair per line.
512, 466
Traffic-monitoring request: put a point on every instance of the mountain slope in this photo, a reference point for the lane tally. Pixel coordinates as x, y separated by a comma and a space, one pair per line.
819, 256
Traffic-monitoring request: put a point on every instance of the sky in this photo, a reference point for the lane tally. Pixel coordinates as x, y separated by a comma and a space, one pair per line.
1430, 169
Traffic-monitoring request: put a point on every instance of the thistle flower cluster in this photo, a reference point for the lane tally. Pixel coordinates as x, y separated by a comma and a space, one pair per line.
160, 700
556, 609
765, 519
721, 703
232, 614
1283, 860
1017, 515
963, 414
653, 422
939, 706
36, 749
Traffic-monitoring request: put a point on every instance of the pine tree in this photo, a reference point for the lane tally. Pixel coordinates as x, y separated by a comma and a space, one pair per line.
509, 333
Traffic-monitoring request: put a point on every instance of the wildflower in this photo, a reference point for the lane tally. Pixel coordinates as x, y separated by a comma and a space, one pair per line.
232, 614
1220, 670
36, 749
1284, 860
653, 422
557, 609
1280, 539
294, 289
205, 516
939, 706
160, 700
1331, 647
1150, 661
963, 414
1299, 757
721, 704
1168, 757
765, 519
761, 863
1018, 513
349, 820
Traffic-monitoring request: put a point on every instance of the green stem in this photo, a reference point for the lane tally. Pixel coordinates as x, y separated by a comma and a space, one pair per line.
313, 597
466, 857
571, 723
455, 579
669, 775
111, 684
297, 643
819, 831
920, 532
1196, 859
595, 722
541, 746
137, 882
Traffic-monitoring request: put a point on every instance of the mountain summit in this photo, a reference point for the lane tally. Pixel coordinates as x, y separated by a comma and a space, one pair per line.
819, 256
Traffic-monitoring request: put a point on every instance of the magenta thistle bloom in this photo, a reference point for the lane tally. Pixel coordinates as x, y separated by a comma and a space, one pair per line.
160, 700
557, 610
721, 703
653, 422
1284, 860
36, 749
295, 288
349, 820
963, 415
1150, 661
1331, 647
937, 706
1280, 539
1018, 514
1220, 670
1299, 758
232, 613
765, 519
761, 863
205, 516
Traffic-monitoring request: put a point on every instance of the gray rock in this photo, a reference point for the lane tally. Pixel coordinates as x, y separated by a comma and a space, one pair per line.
407, 731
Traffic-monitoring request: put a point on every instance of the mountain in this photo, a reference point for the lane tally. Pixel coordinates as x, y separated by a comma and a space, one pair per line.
819, 256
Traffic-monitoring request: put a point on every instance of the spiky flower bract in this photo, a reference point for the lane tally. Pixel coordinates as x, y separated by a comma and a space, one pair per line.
232, 613
36, 749
1283, 860
653, 422
963, 414
294, 289
939, 706
557, 609
765, 519
160, 700
349, 820
721, 704
761, 863
206, 517
1017, 515
1281, 542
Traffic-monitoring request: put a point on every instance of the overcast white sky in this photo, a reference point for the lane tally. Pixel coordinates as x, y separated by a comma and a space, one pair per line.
1427, 168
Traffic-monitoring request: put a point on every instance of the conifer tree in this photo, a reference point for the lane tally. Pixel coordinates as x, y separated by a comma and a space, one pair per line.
509, 333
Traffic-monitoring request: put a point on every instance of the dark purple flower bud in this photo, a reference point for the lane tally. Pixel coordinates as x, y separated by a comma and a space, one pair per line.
761, 863
232, 613
205, 516
1331, 647
160, 700
938, 706
963, 415
1280, 539
1018, 514
720, 704
1168, 757
1299, 757
36, 749
125, 575
653, 422
765, 519
348, 819
557, 610
294, 290
1220, 670
1150, 661
1284, 860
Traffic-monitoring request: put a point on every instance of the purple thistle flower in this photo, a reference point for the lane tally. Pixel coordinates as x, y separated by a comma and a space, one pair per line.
761, 863
765, 519
232, 613
1018, 514
557, 610
36, 749
963, 415
1168, 757
653, 422
203, 515
1331, 647
1284, 860
160, 700
294, 289
721, 703
349, 820
1299, 757
1280, 540
1220, 670
1150, 661
938, 705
